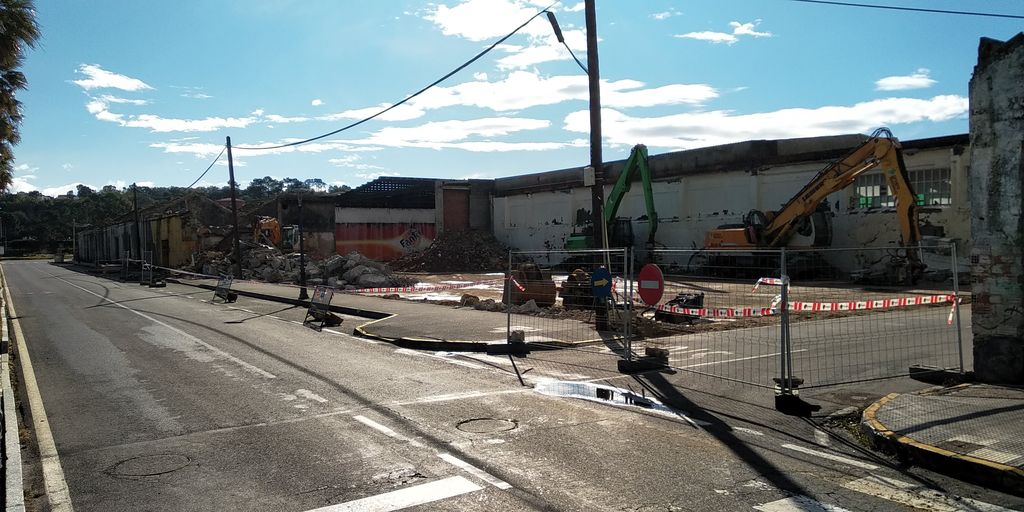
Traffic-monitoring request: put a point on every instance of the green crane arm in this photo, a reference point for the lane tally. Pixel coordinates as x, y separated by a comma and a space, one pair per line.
637, 161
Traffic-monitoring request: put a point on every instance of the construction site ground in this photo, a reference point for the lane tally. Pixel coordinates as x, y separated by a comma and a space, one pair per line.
436, 315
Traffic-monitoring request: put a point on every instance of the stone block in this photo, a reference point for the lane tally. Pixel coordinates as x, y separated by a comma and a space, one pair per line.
999, 359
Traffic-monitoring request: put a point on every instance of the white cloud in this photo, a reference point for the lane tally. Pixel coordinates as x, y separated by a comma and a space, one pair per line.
452, 131
399, 113
21, 184
480, 20
67, 166
374, 175
145, 184
712, 37
317, 102
99, 107
747, 29
918, 80
692, 130
354, 162
196, 95
162, 124
481, 76
576, 8
664, 15
106, 98
99, 78
483, 20
274, 118
738, 29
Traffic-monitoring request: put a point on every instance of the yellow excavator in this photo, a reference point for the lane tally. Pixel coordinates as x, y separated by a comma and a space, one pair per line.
807, 215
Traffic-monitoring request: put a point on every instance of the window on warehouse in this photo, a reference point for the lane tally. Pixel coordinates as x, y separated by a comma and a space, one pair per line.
932, 187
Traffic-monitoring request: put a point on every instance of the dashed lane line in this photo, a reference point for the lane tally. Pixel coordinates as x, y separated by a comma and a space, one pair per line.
408, 497
831, 456
475, 471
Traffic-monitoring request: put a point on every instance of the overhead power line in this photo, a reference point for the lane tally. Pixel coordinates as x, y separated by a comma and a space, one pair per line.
210, 167
914, 9
407, 98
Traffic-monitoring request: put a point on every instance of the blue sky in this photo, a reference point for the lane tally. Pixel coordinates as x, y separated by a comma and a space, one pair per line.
146, 91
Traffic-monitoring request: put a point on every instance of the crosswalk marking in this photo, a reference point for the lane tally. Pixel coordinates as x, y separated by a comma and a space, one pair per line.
918, 496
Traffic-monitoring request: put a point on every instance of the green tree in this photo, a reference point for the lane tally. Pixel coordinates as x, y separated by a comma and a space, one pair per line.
18, 29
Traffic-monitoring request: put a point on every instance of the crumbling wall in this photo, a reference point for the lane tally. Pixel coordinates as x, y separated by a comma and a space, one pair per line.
997, 196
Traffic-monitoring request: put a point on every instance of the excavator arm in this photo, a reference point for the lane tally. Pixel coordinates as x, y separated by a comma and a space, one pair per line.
775, 229
882, 150
637, 162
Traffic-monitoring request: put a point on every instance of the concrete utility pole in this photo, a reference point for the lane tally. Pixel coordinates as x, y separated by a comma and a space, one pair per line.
138, 224
596, 158
303, 294
234, 212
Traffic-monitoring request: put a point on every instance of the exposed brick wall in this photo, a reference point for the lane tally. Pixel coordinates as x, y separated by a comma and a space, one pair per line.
997, 201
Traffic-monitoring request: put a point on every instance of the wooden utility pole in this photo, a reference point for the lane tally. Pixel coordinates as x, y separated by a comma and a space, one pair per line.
234, 212
138, 224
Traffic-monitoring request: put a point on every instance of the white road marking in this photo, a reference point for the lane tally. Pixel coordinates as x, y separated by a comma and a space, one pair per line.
407, 497
180, 332
739, 359
475, 471
386, 431
57, 493
798, 504
750, 431
821, 438
461, 396
917, 496
309, 395
435, 356
831, 456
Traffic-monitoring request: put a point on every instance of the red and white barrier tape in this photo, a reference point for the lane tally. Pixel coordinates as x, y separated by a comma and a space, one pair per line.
719, 312
431, 288
813, 307
952, 310
516, 283
774, 281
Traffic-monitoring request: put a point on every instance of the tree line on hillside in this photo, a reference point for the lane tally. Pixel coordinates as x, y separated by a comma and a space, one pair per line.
45, 219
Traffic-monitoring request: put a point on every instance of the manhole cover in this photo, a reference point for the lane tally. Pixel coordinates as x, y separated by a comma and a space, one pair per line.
486, 425
149, 465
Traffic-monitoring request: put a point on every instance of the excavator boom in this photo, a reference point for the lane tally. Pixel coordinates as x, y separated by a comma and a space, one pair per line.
881, 151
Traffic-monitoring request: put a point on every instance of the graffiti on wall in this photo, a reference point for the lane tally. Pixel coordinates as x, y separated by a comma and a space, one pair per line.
383, 242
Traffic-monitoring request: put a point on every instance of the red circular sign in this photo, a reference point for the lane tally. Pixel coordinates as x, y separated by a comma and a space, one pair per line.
651, 284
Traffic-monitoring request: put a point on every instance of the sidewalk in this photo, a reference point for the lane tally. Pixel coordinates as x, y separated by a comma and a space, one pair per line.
972, 431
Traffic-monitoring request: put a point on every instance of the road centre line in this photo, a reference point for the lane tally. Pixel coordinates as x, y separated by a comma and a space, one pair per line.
180, 332
917, 496
407, 497
387, 431
475, 471
830, 456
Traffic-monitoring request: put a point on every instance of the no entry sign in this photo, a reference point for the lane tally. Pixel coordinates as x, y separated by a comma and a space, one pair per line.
651, 284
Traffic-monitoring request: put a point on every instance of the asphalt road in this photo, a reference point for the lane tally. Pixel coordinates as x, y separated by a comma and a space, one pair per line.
160, 400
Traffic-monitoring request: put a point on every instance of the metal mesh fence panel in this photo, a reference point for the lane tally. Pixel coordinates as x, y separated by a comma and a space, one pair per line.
569, 306
871, 313
711, 321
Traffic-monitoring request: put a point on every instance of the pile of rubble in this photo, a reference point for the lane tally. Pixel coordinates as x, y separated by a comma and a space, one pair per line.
457, 251
266, 263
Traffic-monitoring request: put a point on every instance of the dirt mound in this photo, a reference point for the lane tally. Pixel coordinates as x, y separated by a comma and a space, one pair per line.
458, 251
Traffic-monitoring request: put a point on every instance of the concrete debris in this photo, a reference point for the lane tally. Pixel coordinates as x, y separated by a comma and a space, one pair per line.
269, 264
469, 300
457, 251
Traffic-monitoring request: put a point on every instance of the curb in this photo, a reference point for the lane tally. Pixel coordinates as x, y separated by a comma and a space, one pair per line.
965, 467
